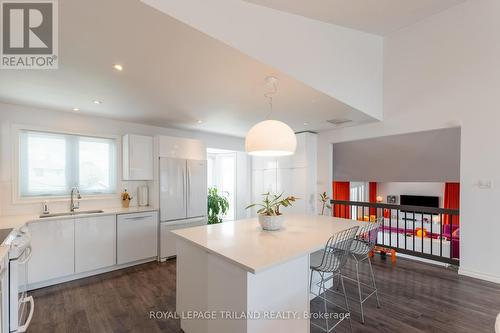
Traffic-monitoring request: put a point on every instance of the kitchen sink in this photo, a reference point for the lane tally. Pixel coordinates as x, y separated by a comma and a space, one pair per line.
82, 212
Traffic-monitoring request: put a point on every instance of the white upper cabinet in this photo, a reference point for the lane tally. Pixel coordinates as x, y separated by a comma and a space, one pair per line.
137, 157
188, 149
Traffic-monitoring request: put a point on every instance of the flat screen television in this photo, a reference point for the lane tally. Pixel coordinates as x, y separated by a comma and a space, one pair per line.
419, 200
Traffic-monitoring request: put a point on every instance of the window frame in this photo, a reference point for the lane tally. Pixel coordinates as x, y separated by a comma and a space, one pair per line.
363, 186
16, 137
216, 154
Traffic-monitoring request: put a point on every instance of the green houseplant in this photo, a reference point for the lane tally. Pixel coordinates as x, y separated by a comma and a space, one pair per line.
218, 205
325, 202
270, 216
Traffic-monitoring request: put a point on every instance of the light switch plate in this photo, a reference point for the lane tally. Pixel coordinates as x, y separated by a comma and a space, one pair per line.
484, 184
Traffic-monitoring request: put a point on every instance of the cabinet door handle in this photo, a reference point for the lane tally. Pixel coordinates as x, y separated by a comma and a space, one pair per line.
137, 218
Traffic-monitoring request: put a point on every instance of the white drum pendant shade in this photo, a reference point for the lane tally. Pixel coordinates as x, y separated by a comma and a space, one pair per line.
270, 138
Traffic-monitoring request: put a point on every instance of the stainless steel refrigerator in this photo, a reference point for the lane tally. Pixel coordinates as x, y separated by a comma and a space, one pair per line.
183, 198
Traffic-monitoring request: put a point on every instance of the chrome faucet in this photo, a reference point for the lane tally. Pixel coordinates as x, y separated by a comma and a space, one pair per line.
73, 205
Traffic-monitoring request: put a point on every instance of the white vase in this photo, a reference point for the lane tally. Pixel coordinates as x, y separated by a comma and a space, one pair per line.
271, 222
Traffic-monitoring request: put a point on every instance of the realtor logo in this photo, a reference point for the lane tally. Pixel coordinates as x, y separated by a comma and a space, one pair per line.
29, 34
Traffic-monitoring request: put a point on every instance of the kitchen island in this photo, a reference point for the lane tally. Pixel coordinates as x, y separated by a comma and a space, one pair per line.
235, 277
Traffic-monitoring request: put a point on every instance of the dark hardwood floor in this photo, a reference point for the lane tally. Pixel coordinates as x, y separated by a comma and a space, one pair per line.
415, 297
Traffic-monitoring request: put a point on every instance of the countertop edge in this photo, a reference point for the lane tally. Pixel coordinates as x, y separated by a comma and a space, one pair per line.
17, 221
105, 213
243, 266
253, 270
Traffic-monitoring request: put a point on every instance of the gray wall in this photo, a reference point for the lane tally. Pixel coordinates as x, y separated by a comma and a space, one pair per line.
431, 156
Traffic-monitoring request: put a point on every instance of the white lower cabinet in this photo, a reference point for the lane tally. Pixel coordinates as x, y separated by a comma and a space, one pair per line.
53, 246
69, 248
167, 241
95, 243
137, 237
168, 246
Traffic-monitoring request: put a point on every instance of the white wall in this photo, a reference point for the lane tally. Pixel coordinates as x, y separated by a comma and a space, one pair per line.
343, 63
411, 188
443, 72
72, 122
430, 156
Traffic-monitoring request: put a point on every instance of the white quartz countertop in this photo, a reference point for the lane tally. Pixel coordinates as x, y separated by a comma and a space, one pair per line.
17, 221
245, 244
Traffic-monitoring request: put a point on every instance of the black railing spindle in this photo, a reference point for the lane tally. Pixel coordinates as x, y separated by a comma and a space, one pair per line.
422, 230
431, 220
380, 210
450, 217
397, 218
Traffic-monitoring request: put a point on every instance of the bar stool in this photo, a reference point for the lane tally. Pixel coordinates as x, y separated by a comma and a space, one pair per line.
328, 264
360, 250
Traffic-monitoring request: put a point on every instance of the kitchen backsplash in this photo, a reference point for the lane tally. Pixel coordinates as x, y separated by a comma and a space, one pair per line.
7, 207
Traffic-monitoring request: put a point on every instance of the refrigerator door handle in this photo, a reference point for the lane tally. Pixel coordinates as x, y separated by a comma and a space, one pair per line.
188, 191
185, 188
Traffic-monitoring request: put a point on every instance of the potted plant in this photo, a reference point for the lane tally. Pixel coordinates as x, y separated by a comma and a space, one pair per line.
325, 202
218, 205
270, 216
126, 199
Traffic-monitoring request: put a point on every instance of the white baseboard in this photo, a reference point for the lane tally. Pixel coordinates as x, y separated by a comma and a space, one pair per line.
479, 275
77, 276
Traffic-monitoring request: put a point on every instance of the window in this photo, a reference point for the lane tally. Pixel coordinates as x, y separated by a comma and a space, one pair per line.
50, 164
359, 192
222, 175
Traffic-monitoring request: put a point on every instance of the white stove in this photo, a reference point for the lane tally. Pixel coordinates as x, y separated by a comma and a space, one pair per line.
20, 314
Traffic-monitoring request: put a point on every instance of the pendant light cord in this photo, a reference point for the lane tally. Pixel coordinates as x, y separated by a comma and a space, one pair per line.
272, 83
270, 101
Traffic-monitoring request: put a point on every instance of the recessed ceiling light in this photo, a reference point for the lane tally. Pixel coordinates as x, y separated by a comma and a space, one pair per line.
199, 121
305, 124
97, 101
76, 109
118, 67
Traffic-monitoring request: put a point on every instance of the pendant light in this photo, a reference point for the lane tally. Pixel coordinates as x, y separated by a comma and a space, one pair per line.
270, 137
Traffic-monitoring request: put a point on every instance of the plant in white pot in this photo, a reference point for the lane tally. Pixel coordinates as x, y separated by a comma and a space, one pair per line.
270, 216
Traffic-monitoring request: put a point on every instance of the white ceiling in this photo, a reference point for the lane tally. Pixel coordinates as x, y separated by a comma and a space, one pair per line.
379, 17
173, 75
